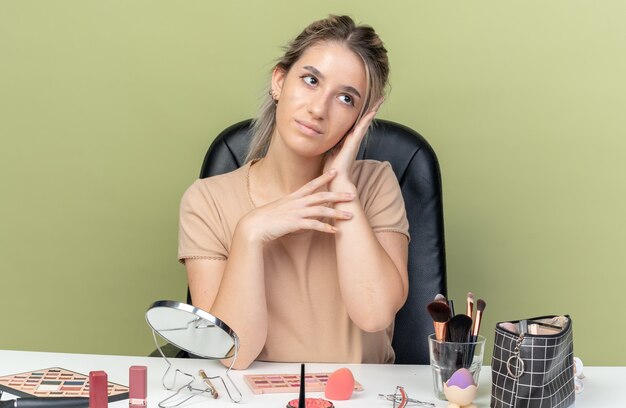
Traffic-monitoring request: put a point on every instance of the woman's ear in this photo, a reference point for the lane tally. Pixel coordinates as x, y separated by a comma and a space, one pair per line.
278, 79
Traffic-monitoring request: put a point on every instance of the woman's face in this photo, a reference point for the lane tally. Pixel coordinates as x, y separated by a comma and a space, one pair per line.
320, 98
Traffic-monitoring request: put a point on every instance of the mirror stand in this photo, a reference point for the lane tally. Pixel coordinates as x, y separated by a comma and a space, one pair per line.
188, 386
202, 335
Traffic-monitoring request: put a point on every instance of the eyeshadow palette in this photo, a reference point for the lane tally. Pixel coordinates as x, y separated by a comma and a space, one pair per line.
278, 383
55, 382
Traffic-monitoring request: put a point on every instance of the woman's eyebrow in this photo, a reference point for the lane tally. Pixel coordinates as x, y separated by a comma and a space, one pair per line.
345, 88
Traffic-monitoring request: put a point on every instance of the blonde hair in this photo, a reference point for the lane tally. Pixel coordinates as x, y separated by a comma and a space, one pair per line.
361, 39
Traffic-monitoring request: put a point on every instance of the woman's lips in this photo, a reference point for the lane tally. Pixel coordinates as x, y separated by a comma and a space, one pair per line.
308, 128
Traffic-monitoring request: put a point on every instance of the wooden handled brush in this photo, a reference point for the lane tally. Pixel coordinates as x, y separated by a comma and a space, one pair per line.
469, 308
480, 309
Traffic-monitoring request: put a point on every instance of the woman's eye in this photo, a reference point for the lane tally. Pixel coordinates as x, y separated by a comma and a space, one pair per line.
347, 99
310, 79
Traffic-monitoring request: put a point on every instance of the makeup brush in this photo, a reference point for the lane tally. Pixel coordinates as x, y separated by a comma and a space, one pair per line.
459, 328
440, 312
469, 309
440, 298
480, 308
458, 331
451, 305
301, 401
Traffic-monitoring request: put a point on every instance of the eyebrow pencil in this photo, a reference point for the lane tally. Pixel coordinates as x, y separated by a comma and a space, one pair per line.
301, 401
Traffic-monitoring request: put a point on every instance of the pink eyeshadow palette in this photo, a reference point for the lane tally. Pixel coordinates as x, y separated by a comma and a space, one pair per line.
279, 383
55, 382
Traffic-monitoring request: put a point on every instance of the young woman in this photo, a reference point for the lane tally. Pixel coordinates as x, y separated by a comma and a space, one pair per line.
303, 250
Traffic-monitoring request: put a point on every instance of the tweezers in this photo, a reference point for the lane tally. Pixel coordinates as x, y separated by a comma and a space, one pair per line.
398, 399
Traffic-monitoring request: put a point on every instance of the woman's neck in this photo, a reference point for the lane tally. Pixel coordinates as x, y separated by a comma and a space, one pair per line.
277, 175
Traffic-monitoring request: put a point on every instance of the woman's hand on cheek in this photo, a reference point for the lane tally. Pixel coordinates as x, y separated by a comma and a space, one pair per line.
305, 209
343, 156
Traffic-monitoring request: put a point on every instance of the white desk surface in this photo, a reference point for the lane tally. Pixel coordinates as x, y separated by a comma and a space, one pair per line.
604, 386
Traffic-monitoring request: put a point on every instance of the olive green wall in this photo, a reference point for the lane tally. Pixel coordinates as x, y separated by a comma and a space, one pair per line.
107, 107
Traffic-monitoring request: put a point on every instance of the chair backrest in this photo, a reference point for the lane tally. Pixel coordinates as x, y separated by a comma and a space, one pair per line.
415, 164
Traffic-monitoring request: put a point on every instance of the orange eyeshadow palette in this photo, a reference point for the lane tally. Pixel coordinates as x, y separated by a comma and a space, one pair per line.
278, 383
55, 382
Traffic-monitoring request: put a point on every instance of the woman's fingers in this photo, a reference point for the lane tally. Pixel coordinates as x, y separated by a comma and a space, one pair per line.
321, 211
304, 209
346, 151
367, 118
310, 187
377, 104
374, 109
320, 226
365, 121
330, 197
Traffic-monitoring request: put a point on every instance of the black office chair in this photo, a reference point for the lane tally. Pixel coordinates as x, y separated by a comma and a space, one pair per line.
415, 164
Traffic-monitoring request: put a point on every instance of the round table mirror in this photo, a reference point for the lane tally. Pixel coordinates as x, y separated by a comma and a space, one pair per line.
192, 329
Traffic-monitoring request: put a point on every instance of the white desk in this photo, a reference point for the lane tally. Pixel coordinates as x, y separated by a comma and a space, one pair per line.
604, 386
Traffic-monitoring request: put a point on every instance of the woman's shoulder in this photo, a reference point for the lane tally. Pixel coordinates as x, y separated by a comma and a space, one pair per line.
221, 185
370, 164
365, 171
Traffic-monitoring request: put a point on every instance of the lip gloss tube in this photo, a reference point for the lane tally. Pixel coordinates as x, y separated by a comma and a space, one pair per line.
138, 389
98, 389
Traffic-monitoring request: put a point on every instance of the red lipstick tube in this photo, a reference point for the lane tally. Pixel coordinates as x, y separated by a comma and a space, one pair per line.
138, 387
98, 389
